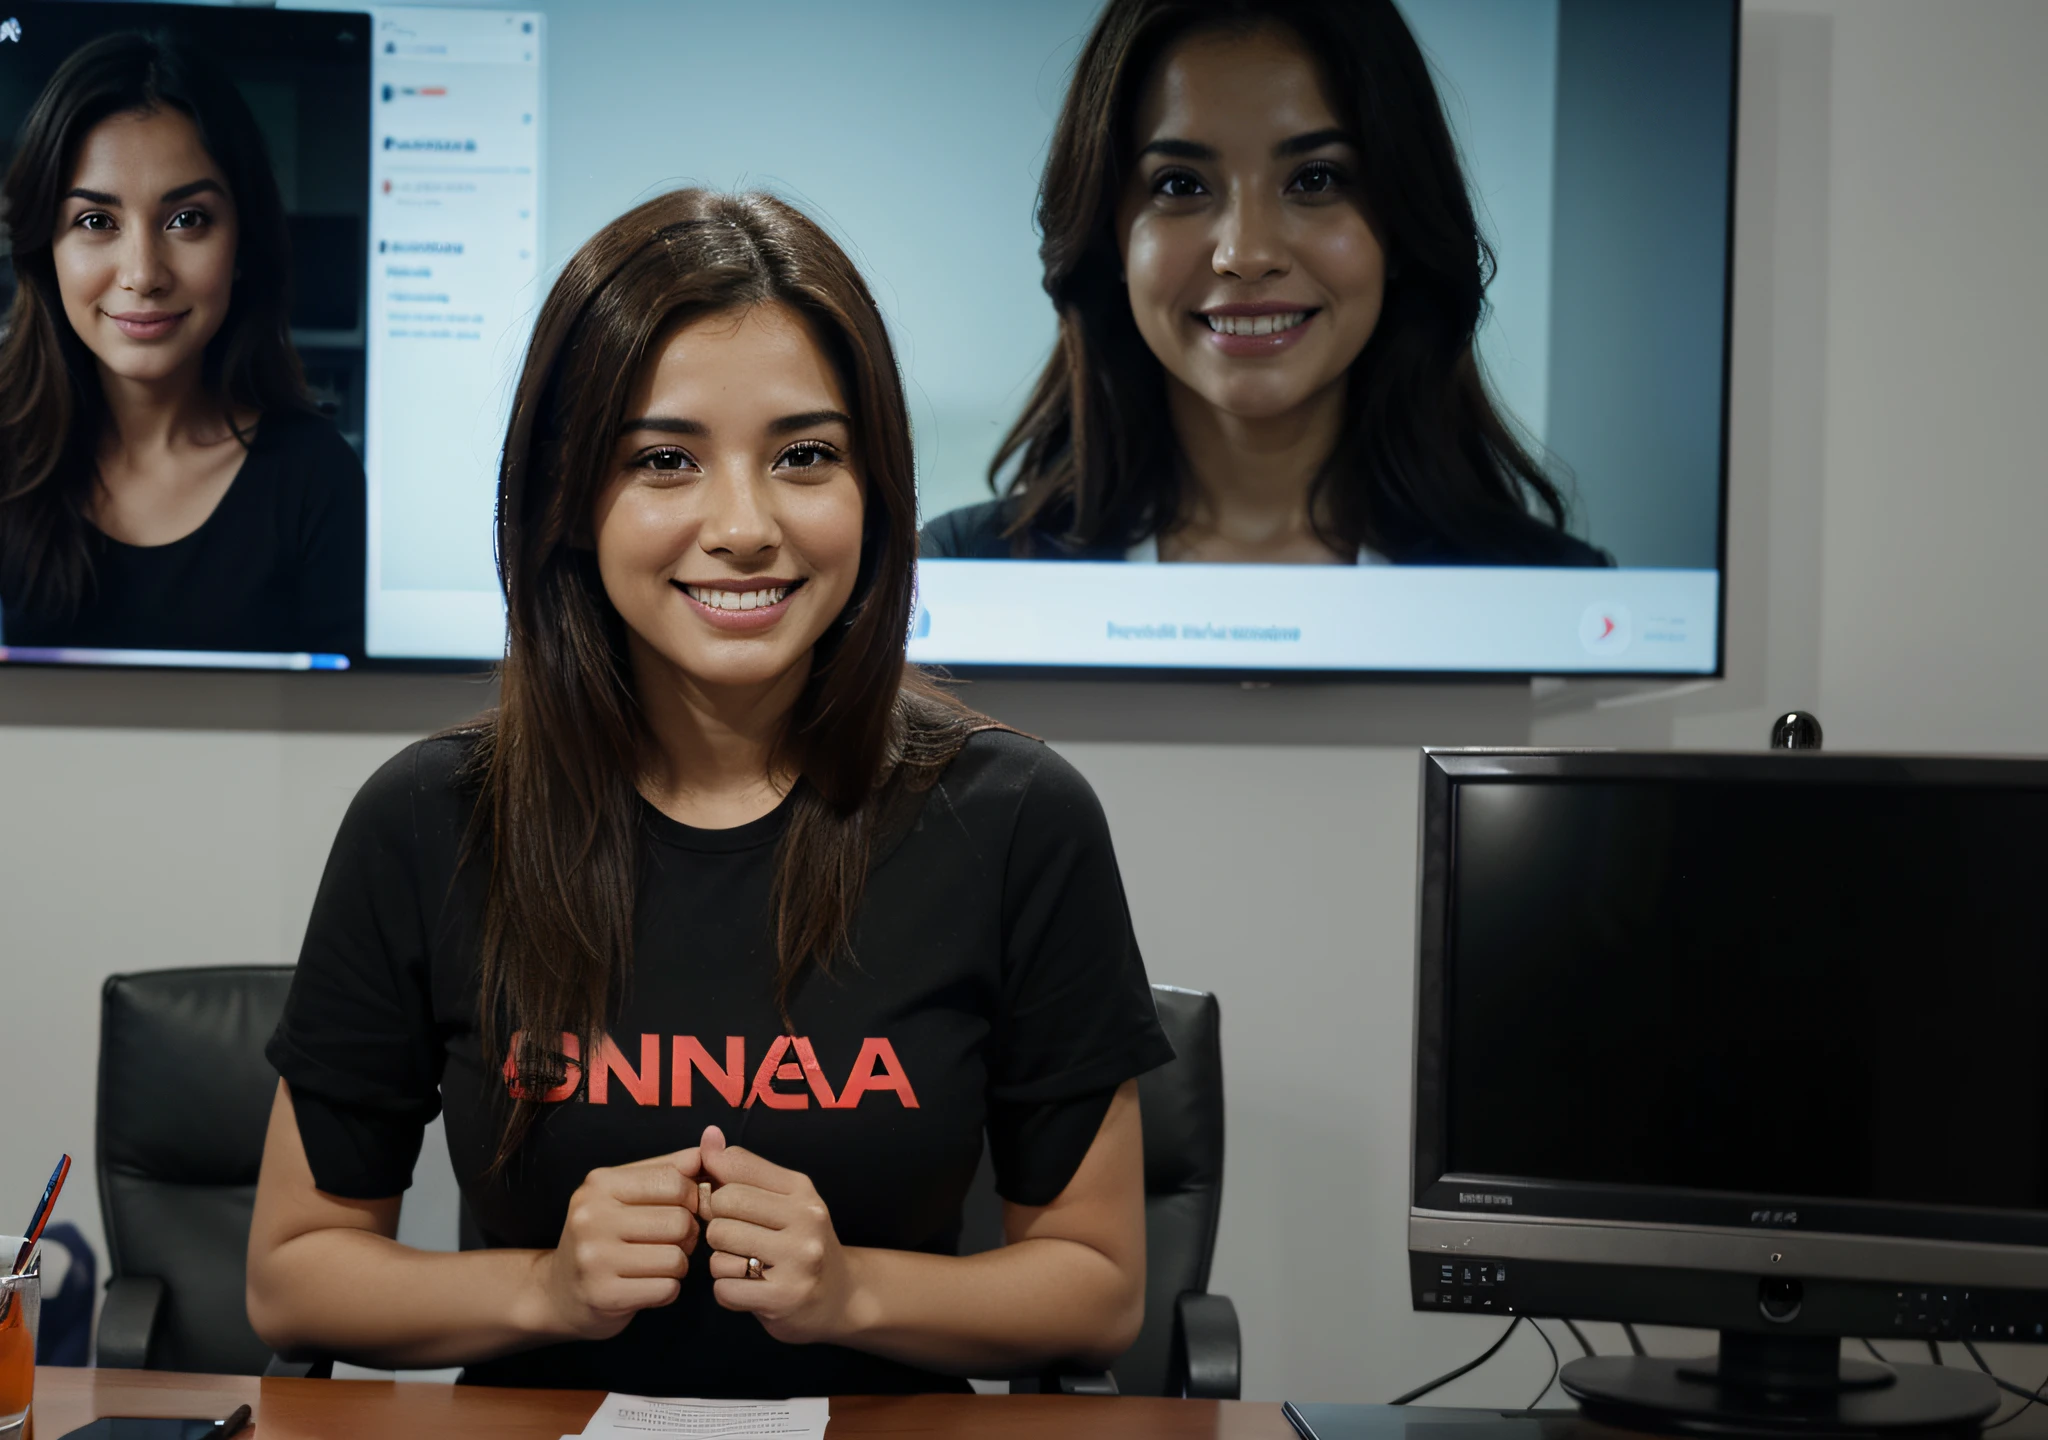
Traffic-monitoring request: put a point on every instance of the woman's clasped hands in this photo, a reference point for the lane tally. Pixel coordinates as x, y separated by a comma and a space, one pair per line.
631, 1231
625, 1246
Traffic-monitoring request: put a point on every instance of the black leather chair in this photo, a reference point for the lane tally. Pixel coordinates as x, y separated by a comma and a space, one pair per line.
1190, 1343
184, 1099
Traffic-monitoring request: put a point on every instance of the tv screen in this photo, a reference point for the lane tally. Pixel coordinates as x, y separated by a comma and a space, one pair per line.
1593, 140
1665, 996
403, 152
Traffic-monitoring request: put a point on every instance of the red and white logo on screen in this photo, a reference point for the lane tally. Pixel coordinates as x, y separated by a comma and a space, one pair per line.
1604, 629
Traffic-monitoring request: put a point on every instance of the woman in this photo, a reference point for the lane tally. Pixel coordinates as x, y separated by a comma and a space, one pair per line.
723, 941
164, 482
1268, 278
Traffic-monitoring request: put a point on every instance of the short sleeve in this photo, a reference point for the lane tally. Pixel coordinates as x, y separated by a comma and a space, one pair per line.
1078, 1018
357, 1044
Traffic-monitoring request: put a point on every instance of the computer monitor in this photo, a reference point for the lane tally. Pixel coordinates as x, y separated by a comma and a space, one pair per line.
1752, 1043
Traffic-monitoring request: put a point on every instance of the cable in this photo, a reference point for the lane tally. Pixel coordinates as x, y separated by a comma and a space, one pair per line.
2033, 1397
1580, 1336
2030, 1396
1635, 1341
1934, 1349
1555, 1364
1875, 1353
1466, 1369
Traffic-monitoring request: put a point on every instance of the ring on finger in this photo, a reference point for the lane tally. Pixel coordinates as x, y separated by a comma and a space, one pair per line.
754, 1269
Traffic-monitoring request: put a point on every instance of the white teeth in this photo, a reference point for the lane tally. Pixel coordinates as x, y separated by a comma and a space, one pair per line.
1255, 324
735, 599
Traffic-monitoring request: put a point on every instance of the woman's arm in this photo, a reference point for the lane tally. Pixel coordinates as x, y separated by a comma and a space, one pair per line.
1068, 1285
326, 1274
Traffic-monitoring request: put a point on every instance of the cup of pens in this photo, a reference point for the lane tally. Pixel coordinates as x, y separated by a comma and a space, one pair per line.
21, 1297
21, 1307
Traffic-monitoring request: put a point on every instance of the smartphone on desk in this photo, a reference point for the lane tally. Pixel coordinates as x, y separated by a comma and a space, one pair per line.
152, 1427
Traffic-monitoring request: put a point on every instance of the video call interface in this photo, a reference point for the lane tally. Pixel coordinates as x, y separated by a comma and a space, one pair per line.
409, 145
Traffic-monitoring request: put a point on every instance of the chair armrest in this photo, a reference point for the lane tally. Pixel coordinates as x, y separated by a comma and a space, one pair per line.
1207, 1358
280, 1368
128, 1320
1058, 1381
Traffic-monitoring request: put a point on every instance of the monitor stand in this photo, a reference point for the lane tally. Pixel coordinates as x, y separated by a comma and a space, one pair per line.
1785, 1385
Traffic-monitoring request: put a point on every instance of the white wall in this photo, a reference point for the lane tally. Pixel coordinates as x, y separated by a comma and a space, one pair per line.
1887, 512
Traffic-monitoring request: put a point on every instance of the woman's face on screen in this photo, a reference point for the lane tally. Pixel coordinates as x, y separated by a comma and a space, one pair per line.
729, 536
1253, 272
145, 246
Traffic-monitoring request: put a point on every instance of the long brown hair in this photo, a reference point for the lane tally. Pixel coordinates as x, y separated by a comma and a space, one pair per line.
557, 765
52, 412
1426, 468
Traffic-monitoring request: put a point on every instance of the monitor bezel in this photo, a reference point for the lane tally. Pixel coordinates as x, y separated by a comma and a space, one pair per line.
1599, 1223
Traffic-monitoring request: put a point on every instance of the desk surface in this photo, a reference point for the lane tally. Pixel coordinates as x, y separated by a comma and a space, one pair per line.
334, 1409
397, 1410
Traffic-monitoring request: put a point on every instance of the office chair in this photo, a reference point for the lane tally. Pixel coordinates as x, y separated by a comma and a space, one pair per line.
1189, 1344
184, 1099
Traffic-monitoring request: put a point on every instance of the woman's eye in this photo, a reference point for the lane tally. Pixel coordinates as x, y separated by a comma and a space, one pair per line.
812, 455
1319, 179
188, 220
94, 220
1176, 185
666, 461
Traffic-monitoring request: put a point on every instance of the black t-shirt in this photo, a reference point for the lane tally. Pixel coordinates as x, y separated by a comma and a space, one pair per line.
277, 566
995, 987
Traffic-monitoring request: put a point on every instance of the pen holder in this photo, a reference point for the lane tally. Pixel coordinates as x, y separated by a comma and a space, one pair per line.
21, 1304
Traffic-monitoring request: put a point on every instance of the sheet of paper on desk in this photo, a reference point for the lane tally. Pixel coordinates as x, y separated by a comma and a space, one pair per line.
635, 1417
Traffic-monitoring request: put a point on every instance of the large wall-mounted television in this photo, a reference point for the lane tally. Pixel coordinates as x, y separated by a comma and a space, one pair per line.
1596, 139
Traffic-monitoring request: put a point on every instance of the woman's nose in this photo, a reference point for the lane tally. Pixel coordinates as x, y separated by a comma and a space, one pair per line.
1249, 244
740, 520
142, 270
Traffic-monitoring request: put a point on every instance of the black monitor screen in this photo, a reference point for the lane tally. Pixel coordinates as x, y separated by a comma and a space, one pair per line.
1831, 990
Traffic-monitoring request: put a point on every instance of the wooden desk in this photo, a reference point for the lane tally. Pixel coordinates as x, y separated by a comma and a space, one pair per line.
389, 1410
401, 1410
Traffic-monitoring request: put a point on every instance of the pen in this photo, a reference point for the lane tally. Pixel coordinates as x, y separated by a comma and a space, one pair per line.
36, 1221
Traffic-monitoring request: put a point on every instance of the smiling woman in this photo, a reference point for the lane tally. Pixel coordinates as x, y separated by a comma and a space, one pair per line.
164, 482
746, 526
717, 848
1269, 277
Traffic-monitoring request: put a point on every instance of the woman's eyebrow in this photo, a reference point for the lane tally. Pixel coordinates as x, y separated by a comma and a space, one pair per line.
809, 420
1313, 140
1180, 150
169, 197
665, 425
1293, 145
186, 192
676, 425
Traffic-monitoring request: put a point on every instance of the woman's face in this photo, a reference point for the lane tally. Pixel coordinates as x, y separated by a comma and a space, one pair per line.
729, 536
1253, 272
145, 246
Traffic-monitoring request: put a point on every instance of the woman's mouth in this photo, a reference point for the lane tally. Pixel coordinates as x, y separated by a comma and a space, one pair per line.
1256, 324
741, 605
148, 324
1243, 331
